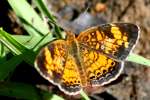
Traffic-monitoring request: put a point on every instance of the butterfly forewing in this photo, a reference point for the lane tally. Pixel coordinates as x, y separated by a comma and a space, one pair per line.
114, 40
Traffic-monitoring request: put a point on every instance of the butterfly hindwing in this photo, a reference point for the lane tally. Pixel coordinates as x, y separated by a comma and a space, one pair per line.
99, 69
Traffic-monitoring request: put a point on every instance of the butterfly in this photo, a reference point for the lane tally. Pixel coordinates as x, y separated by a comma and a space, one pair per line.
94, 58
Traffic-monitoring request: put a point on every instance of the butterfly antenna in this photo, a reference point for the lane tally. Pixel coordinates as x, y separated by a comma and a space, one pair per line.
85, 11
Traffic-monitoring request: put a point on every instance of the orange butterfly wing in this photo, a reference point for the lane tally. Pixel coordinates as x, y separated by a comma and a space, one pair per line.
114, 40
57, 65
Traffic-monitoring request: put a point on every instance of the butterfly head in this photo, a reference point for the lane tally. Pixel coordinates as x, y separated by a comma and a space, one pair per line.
70, 36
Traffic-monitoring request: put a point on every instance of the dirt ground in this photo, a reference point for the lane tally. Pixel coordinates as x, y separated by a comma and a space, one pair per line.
76, 15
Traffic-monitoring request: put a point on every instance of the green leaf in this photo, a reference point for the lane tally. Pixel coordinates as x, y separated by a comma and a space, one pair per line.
84, 95
45, 39
44, 10
25, 92
19, 91
2, 53
50, 96
9, 66
11, 43
40, 4
30, 19
16, 47
138, 59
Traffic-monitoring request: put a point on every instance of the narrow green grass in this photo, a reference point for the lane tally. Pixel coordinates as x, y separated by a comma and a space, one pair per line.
26, 13
138, 59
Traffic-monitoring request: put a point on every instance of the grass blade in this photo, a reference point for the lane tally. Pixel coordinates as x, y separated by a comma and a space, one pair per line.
25, 92
84, 95
138, 59
19, 91
44, 10
11, 43
49, 96
27, 13
16, 47
9, 66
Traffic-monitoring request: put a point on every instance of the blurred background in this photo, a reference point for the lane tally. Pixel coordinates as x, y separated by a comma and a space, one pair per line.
77, 15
